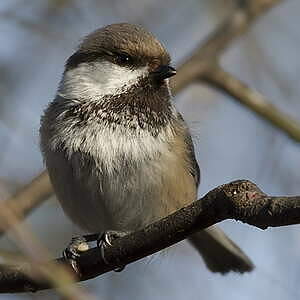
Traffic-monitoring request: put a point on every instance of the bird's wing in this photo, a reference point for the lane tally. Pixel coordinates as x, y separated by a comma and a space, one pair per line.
195, 170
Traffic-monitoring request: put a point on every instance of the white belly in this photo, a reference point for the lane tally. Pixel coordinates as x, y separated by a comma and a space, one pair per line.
119, 187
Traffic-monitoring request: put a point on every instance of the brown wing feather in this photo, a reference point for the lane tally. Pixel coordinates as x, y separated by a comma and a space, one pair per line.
195, 170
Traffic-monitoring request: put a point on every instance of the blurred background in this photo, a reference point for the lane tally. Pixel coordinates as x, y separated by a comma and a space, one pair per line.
231, 142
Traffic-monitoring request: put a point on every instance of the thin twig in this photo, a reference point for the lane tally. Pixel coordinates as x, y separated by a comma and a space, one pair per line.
231, 85
28, 198
240, 200
218, 41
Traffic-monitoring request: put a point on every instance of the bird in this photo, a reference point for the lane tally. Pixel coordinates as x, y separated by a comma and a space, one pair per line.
118, 153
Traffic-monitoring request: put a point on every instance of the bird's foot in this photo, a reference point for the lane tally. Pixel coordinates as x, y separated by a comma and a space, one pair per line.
105, 240
76, 247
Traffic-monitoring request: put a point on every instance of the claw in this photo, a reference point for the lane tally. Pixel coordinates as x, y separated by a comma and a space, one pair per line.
105, 240
72, 252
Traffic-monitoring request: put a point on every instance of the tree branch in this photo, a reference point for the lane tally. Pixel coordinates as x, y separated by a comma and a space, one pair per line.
231, 85
27, 198
207, 53
239, 200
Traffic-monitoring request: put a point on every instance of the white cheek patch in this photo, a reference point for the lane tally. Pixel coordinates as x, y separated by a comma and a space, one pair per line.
98, 79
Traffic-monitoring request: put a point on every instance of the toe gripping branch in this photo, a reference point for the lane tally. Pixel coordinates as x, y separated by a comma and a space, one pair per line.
80, 244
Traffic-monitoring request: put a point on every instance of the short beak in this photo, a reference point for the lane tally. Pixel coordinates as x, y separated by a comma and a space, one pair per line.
164, 72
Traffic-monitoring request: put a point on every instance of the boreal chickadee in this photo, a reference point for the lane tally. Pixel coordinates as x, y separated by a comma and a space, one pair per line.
118, 153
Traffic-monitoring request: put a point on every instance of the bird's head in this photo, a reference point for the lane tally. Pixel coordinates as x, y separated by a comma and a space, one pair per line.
112, 60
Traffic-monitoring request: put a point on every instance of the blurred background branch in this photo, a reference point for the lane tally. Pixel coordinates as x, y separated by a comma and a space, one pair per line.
27, 198
226, 82
38, 264
236, 24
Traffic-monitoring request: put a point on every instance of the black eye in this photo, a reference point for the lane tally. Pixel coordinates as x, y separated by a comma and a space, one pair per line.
123, 59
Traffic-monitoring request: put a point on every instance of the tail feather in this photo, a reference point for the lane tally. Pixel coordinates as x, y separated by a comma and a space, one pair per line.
220, 254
